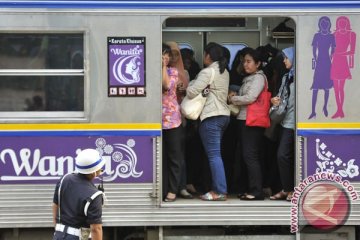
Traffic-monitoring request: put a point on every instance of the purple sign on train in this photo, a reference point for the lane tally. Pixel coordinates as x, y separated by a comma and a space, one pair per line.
126, 66
44, 159
336, 154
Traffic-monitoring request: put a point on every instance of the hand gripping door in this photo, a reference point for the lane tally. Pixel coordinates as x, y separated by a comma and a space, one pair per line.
192, 108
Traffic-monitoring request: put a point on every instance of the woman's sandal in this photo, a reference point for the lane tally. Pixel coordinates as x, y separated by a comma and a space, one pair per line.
211, 196
279, 196
242, 195
249, 197
289, 196
169, 199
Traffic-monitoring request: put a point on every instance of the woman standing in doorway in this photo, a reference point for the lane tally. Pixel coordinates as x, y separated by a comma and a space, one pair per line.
173, 152
285, 154
215, 116
251, 137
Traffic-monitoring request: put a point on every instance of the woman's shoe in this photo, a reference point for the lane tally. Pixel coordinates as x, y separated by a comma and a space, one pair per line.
185, 194
170, 197
279, 196
212, 196
289, 196
252, 198
241, 195
312, 115
191, 189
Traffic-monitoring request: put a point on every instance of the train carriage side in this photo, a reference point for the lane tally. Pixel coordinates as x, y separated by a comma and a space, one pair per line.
70, 59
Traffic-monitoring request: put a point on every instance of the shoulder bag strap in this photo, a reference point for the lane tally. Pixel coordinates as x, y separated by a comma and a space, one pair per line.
212, 76
266, 82
206, 90
59, 193
283, 84
90, 199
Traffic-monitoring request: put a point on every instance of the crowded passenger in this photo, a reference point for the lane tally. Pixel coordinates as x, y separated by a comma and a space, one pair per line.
237, 72
285, 154
250, 137
181, 85
173, 152
235, 161
197, 169
190, 64
214, 116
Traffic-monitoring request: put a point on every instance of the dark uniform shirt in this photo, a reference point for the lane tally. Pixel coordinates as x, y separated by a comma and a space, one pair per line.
76, 189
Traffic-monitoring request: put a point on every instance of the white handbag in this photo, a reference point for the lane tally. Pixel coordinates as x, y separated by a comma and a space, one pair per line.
192, 108
234, 109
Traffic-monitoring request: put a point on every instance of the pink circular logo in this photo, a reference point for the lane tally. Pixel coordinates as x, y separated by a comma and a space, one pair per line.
325, 205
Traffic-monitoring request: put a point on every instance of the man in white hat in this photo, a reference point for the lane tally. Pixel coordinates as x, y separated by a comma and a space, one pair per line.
77, 203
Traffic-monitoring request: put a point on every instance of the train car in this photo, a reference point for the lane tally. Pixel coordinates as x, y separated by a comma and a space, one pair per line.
87, 74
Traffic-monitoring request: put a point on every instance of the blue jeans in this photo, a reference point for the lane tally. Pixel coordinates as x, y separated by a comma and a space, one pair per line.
211, 132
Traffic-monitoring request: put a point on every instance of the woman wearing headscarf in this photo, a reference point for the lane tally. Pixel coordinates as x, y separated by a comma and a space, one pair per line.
183, 76
173, 153
176, 62
285, 154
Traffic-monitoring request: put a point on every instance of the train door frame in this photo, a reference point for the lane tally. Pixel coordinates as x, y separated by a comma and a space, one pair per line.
260, 29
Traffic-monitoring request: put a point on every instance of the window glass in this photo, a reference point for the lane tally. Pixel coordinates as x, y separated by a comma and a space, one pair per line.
185, 45
42, 72
41, 93
233, 48
41, 51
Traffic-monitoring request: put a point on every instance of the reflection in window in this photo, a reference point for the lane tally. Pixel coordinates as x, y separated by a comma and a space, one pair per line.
41, 51
41, 93
233, 48
42, 72
185, 45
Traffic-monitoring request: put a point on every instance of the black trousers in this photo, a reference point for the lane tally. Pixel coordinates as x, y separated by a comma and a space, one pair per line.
173, 159
286, 159
197, 165
251, 142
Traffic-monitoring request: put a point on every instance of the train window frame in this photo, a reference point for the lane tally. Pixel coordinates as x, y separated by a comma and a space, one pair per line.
50, 116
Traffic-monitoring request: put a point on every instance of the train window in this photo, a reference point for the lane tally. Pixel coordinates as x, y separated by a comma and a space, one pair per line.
40, 51
233, 48
205, 22
41, 72
41, 93
185, 45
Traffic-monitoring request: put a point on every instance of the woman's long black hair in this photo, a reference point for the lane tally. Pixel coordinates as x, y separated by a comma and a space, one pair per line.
216, 54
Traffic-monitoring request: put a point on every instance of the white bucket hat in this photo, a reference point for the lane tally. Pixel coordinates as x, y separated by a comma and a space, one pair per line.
88, 161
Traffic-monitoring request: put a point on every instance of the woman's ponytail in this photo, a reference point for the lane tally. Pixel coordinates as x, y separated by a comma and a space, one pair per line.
216, 54
222, 64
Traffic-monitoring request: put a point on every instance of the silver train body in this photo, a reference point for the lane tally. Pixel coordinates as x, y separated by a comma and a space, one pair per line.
36, 147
